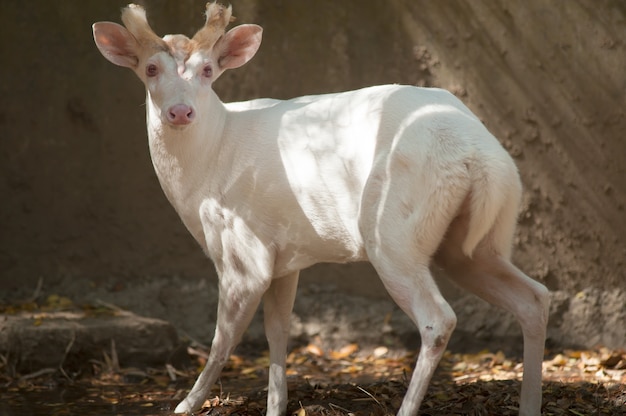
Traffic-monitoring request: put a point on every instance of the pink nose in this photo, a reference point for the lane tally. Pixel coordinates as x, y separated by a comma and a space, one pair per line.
180, 114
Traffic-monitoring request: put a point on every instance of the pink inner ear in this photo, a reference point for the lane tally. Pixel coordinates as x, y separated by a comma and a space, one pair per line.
239, 45
116, 44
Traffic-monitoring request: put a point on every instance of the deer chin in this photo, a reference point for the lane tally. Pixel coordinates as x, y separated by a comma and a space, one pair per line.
177, 126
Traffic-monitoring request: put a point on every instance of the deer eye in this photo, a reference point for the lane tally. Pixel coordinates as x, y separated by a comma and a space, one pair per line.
207, 71
152, 70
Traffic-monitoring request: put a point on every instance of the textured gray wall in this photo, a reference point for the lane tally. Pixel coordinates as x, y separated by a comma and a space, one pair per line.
80, 200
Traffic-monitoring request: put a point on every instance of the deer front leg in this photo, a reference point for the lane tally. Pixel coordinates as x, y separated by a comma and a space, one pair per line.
237, 305
278, 304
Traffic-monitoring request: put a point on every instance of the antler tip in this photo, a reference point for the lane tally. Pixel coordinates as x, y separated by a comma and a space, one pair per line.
216, 12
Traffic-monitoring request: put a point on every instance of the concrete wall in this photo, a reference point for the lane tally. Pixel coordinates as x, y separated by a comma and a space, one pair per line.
80, 200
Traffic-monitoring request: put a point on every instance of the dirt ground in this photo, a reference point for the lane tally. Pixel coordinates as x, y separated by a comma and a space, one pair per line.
350, 380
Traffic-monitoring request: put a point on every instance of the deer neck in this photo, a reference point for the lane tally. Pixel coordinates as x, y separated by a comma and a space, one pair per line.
183, 157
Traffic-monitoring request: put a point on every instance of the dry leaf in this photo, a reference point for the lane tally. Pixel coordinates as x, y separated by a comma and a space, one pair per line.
344, 352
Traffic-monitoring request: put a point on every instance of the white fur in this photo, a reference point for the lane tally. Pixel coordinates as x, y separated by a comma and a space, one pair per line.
396, 175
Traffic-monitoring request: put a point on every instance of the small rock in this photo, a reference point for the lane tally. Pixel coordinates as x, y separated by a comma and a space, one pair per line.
32, 341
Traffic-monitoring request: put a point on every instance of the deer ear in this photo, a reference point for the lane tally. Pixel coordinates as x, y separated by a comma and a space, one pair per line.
116, 44
238, 46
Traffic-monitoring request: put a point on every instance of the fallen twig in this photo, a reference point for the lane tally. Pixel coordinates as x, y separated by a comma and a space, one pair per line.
38, 373
370, 395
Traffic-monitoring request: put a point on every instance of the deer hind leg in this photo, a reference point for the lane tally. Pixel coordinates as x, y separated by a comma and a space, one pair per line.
401, 253
417, 295
495, 279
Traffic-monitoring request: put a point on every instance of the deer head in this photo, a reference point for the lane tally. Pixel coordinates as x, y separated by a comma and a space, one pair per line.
177, 71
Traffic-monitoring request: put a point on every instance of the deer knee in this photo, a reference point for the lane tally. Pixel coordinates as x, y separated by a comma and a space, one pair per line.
435, 334
541, 295
533, 314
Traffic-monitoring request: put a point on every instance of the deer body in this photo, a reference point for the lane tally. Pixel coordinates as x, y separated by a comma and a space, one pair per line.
277, 166
399, 176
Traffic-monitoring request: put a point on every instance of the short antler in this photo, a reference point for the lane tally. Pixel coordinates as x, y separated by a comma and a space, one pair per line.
217, 18
134, 18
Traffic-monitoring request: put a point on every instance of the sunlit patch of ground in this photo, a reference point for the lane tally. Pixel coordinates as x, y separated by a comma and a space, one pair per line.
348, 381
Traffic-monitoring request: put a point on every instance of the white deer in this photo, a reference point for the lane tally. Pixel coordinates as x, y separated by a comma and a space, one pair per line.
395, 175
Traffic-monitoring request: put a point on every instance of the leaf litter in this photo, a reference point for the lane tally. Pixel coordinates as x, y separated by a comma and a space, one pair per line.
351, 380
344, 382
